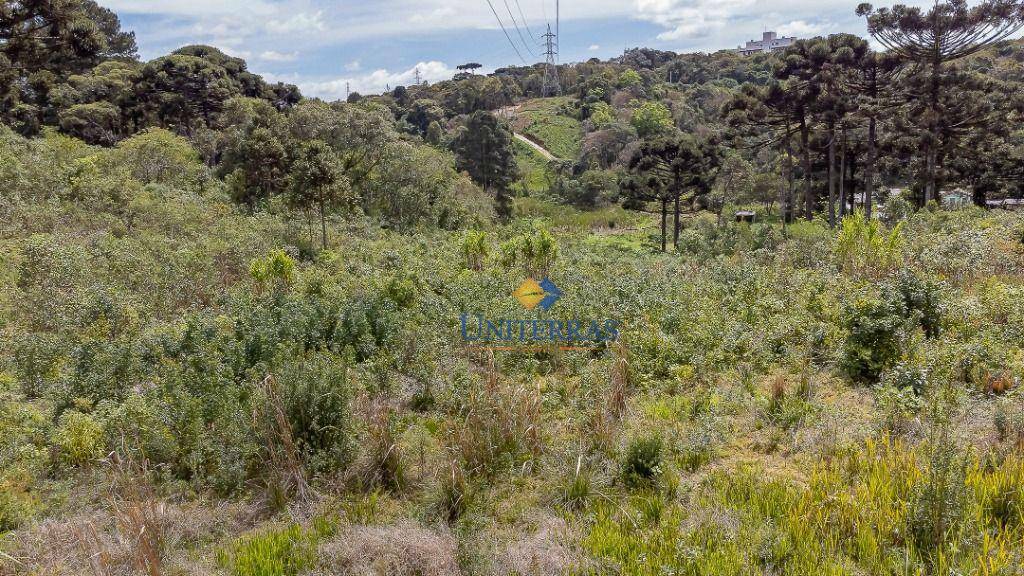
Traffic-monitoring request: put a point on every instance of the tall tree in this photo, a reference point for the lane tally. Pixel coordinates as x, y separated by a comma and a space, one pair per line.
669, 171
930, 40
318, 181
181, 92
41, 43
483, 148
262, 167
872, 83
766, 116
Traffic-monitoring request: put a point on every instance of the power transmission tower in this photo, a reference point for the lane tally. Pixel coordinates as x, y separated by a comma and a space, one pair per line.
551, 86
419, 79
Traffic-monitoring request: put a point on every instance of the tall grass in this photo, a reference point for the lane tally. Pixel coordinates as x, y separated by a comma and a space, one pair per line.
854, 515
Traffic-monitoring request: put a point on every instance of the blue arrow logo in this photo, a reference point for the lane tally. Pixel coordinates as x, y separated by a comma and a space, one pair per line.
551, 294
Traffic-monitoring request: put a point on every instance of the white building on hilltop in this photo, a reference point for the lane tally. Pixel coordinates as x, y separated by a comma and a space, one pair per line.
769, 42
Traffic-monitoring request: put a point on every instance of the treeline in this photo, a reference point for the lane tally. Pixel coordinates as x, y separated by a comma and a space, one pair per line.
823, 127
939, 109
69, 64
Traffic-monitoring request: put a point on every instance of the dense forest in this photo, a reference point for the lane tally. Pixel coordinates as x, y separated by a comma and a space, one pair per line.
238, 325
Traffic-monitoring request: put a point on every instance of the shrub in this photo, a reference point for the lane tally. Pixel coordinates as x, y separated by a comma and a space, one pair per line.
863, 247
156, 156
897, 406
907, 377
474, 249
643, 461
137, 425
80, 438
535, 251
650, 118
920, 300
37, 359
873, 328
286, 552
364, 326
277, 270
316, 394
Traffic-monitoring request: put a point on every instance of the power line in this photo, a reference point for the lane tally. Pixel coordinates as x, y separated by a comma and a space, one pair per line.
551, 86
518, 31
526, 24
509, 38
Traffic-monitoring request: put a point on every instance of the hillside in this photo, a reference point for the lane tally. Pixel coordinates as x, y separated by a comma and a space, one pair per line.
245, 332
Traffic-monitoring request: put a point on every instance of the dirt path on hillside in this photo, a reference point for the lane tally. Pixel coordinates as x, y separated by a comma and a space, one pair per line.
509, 113
535, 146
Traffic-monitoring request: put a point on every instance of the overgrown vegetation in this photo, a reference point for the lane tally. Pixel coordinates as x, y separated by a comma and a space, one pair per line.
232, 333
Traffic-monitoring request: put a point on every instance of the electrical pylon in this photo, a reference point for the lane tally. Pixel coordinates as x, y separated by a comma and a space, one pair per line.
551, 86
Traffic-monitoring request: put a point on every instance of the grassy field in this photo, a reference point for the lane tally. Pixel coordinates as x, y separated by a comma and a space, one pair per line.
186, 388
533, 167
543, 121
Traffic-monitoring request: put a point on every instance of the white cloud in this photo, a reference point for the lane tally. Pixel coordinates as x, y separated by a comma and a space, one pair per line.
804, 29
301, 23
594, 47
377, 81
354, 66
274, 56
691, 18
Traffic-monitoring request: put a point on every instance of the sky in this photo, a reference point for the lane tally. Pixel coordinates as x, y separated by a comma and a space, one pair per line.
327, 48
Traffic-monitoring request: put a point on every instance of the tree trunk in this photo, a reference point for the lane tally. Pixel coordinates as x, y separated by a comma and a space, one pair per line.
664, 223
831, 175
930, 191
869, 180
842, 177
805, 138
787, 211
309, 224
675, 225
323, 225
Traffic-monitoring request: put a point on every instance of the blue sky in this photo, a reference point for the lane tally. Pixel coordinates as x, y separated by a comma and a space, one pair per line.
322, 45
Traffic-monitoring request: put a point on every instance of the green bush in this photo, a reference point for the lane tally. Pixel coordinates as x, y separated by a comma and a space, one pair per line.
642, 463
287, 552
80, 438
920, 299
316, 395
874, 330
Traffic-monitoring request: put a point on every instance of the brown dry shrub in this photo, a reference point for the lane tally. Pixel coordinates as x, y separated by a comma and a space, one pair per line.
401, 550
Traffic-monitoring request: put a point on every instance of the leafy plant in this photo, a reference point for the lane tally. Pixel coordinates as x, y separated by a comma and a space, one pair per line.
642, 463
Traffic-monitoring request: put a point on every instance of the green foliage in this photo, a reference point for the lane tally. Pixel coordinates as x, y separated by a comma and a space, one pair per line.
483, 148
535, 251
863, 248
80, 438
601, 114
156, 156
474, 249
921, 300
316, 397
276, 269
287, 552
874, 336
629, 78
642, 463
651, 118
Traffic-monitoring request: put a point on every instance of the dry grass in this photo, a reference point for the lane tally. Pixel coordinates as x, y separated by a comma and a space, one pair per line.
104, 543
405, 549
550, 550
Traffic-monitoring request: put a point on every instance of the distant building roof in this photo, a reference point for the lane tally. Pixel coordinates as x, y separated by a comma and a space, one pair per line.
1006, 203
769, 42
